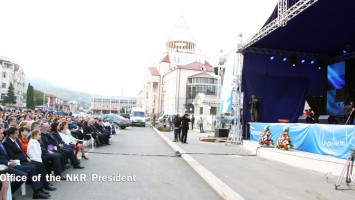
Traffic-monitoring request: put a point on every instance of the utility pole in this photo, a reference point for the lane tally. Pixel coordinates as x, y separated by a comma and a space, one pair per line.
44, 94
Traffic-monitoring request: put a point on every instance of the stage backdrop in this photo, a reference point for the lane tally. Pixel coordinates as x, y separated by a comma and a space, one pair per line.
335, 140
281, 88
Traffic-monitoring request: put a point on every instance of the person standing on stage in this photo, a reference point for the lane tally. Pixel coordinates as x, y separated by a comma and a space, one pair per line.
311, 119
254, 105
306, 112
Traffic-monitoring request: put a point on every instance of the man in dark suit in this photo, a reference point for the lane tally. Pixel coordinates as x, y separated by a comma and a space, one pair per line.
13, 148
27, 171
51, 159
59, 146
104, 136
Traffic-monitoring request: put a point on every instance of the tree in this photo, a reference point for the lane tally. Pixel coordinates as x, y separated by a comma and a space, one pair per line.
10, 97
38, 95
30, 97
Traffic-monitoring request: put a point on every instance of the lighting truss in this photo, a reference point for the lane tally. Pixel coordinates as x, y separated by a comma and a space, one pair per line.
290, 13
347, 56
278, 52
282, 17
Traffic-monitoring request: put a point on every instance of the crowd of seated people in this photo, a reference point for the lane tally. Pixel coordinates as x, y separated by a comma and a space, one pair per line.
33, 143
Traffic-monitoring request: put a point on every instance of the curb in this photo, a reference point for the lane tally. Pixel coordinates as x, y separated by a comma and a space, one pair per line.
220, 187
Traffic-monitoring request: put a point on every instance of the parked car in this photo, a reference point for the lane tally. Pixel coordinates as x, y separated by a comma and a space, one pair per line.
165, 117
62, 113
125, 115
79, 114
118, 120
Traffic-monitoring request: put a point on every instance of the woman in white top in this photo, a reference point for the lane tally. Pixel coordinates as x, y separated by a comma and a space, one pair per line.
70, 140
34, 150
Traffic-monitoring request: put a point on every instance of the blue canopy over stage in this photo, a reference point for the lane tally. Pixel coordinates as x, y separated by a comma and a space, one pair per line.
288, 64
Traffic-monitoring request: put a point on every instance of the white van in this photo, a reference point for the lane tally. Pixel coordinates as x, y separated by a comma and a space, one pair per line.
138, 116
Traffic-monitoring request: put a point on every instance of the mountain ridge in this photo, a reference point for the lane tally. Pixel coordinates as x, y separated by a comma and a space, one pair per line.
66, 94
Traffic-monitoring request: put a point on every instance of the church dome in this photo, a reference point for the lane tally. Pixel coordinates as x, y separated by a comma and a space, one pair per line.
181, 38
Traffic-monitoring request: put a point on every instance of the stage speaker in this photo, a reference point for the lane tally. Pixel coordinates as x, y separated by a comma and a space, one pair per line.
221, 132
302, 119
323, 119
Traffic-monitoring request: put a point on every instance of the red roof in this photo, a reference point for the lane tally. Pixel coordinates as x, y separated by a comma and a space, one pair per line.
196, 66
50, 95
166, 59
202, 74
208, 64
154, 71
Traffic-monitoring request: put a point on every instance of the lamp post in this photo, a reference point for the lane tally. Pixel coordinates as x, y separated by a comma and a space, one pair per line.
44, 94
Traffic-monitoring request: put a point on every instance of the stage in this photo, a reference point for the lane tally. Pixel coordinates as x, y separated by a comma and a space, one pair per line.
323, 139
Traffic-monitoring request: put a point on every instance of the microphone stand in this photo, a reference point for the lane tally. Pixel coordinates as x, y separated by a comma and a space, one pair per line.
351, 113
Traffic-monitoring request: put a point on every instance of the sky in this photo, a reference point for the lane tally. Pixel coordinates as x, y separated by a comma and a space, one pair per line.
105, 46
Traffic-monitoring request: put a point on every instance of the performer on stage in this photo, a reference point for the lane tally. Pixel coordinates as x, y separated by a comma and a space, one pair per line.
311, 117
254, 105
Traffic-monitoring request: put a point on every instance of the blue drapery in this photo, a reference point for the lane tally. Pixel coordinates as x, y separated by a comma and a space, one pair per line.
281, 88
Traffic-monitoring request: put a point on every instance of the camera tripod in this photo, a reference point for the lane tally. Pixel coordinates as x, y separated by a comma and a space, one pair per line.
348, 169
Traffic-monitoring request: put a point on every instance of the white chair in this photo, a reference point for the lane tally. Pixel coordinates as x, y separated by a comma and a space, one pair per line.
88, 142
91, 140
23, 186
9, 193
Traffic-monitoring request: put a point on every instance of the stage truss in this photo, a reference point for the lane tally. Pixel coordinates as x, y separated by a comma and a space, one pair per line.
284, 15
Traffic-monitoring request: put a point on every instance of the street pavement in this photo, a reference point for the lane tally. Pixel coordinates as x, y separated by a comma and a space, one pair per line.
138, 152
256, 178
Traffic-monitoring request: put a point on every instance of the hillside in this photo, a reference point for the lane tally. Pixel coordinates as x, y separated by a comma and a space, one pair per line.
82, 98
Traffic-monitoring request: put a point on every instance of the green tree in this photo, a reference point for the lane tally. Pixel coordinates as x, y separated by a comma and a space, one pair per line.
38, 95
10, 97
30, 97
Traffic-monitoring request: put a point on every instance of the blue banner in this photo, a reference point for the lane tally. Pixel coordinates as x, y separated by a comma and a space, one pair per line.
227, 89
335, 140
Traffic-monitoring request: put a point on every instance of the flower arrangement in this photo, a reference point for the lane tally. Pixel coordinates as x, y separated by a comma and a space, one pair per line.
284, 141
265, 137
